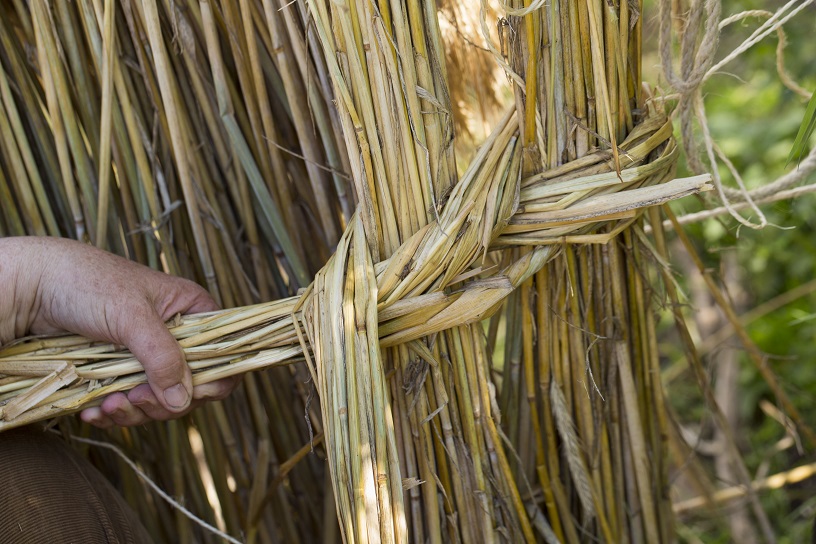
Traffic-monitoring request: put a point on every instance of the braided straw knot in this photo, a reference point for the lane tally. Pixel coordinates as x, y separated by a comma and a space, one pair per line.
447, 274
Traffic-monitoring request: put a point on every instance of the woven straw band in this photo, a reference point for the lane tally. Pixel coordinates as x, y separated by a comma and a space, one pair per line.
438, 279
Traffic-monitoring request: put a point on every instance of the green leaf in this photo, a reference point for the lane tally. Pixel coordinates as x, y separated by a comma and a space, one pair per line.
802, 137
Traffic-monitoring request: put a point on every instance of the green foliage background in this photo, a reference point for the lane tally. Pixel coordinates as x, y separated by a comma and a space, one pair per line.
755, 118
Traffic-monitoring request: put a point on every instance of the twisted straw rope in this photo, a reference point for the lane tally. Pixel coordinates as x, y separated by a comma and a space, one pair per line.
425, 287
696, 67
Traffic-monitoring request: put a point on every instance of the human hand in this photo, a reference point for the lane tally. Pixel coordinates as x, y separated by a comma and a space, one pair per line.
52, 285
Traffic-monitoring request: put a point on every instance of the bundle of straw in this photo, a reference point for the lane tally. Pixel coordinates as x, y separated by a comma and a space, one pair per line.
425, 440
437, 280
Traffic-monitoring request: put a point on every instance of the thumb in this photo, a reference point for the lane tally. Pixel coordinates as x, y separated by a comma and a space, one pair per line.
147, 337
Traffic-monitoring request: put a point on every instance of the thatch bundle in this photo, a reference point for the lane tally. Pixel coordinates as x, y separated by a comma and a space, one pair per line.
230, 141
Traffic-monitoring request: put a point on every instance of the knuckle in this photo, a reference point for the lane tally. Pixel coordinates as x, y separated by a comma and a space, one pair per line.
217, 390
166, 367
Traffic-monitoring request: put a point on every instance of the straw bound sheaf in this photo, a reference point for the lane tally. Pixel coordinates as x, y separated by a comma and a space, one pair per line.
425, 251
435, 281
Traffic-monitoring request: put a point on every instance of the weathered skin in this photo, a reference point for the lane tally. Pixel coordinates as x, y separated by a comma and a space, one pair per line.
53, 285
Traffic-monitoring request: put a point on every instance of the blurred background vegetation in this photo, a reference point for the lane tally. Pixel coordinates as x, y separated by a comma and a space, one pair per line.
754, 118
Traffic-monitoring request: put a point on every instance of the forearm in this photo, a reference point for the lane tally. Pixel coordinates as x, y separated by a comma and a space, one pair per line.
19, 296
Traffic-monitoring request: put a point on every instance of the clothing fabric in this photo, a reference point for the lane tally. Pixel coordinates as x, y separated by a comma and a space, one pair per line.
49, 494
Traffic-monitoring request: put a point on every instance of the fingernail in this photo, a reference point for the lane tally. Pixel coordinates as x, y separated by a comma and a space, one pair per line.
177, 396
